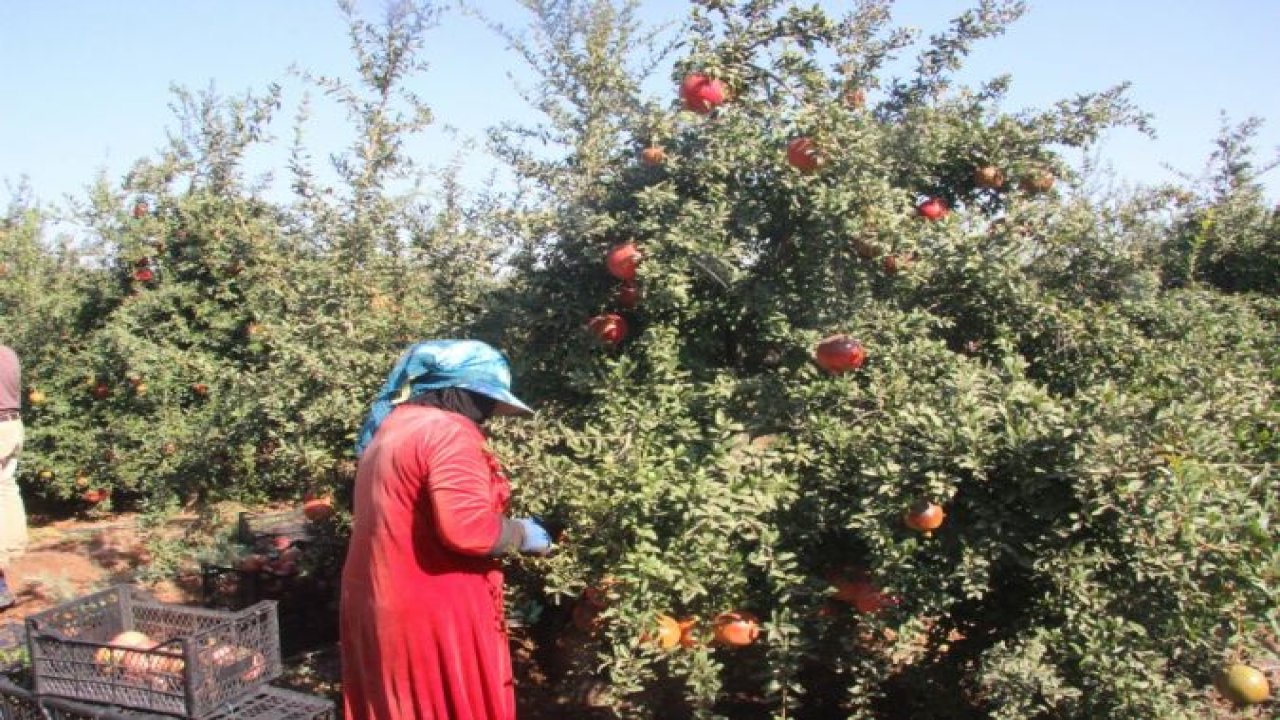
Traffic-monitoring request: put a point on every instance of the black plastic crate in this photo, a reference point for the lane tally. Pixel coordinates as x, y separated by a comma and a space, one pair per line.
204, 658
60, 709
269, 703
262, 529
17, 703
306, 605
280, 704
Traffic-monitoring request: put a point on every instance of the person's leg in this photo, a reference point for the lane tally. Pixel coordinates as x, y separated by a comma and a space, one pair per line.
13, 515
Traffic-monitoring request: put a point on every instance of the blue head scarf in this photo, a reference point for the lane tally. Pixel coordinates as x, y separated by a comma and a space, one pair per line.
435, 364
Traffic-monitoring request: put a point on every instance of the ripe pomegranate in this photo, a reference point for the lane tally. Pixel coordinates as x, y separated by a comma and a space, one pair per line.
318, 509
118, 653
988, 177
622, 261
628, 295
669, 633
736, 628
840, 353
1037, 181
281, 542
702, 94
95, 496
688, 630
140, 209
803, 155
934, 208
1243, 685
144, 275
101, 391
925, 517
165, 662
894, 263
257, 666
200, 389
859, 591
653, 156
586, 616
610, 328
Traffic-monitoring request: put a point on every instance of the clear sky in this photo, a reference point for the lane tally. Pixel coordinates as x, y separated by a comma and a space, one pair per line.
86, 83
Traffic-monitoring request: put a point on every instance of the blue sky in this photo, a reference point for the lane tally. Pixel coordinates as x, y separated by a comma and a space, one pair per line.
86, 83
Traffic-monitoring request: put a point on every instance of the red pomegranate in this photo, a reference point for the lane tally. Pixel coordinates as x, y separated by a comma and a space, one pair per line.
702, 94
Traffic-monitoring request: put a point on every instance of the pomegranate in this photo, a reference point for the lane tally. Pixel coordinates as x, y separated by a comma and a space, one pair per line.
119, 655
988, 177
856, 588
669, 633
586, 616
702, 94
925, 517
95, 496
803, 155
932, 209
840, 353
894, 263
736, 628
1243, 684
622, 261
318, 509
628, 295
1037, 181
653, 156
610, 328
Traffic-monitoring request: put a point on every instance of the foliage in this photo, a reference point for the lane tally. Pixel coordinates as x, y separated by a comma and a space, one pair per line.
1228, 237
1085, 384
1104, 546
226, 346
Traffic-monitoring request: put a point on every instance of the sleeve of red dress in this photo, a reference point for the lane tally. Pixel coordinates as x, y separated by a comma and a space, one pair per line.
461, 499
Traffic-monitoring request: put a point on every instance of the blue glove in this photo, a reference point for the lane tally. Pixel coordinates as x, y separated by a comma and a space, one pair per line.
536, 539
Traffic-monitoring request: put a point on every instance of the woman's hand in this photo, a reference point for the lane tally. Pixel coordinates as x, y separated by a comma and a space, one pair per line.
537, 540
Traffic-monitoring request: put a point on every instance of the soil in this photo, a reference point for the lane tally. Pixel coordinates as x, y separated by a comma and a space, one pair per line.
69, 558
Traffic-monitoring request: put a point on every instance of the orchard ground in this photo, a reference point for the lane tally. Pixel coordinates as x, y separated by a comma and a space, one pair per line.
68, 557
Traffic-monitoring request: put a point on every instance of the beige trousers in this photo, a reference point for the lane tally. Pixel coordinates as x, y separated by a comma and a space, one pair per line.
13, 514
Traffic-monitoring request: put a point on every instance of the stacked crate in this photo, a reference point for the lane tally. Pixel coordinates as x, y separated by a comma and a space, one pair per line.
198, 664
306, 600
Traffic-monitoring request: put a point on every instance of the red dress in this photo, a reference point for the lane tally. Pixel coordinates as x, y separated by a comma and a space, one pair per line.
422, 620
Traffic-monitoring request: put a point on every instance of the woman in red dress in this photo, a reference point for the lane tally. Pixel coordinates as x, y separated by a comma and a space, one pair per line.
423, 628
